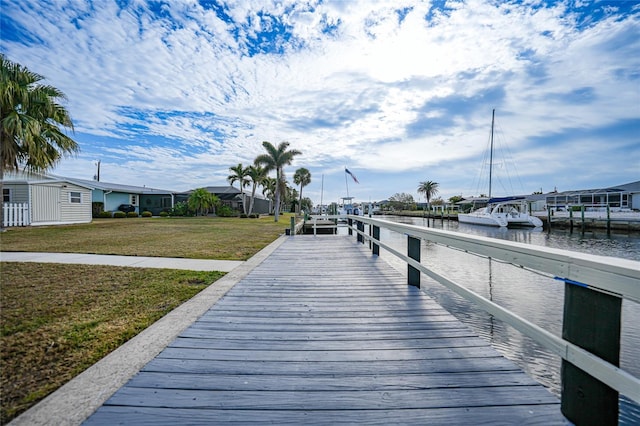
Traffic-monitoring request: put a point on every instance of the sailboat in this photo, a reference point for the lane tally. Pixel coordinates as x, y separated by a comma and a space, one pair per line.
502, 212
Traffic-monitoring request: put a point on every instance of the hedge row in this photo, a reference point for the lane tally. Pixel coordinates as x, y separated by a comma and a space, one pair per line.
119, 214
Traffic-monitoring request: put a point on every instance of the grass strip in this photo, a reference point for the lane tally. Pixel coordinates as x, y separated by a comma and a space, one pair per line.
57, 320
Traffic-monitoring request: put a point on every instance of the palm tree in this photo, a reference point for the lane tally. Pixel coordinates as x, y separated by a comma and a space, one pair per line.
428, 189
290, 198
269, 188
30, 120
276, 159
201, 201
257, 175
301, 177
239, 174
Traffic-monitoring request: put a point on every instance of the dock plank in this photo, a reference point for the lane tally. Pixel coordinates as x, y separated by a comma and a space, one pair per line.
322, 332
336, 400
506, 415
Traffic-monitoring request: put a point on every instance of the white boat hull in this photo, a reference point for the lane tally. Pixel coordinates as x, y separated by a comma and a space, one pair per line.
482, 218
524, 220
510, 215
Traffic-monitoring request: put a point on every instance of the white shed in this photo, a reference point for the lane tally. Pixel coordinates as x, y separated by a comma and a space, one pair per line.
48, 201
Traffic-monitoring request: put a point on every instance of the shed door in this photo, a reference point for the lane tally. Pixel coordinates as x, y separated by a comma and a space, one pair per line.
45, 203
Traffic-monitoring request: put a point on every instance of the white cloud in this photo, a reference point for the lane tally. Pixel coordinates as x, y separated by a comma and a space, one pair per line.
380, 93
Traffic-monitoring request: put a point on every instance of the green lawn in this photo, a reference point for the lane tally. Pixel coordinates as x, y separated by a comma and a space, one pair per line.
197, 238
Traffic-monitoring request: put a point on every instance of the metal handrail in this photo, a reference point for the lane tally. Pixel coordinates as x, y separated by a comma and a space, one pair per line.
620, 277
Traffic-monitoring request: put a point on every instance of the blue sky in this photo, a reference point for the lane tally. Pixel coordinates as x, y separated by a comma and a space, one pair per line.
170, 94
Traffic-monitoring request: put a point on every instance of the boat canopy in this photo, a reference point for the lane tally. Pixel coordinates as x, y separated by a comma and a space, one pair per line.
504, 199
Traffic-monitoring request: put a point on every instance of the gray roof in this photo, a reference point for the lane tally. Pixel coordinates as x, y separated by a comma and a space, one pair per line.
227, 192
31, 178
627, 187
130, 189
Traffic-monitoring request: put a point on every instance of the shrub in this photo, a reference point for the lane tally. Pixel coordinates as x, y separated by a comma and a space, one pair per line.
132, 214
243, 216
119, 214
146, 213
254, 216
164, 214
97, 208
105, 214
225, 211
180, 209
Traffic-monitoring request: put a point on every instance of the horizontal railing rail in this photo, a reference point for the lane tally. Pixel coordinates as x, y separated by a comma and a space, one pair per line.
327, 217
611, 276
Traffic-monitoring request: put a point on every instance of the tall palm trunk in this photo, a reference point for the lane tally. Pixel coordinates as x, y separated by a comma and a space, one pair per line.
277, 206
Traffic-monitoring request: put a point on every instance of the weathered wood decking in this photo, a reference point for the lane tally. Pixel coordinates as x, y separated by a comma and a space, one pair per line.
321, 333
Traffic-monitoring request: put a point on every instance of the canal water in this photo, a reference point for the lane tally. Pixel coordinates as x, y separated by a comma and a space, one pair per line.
536, 297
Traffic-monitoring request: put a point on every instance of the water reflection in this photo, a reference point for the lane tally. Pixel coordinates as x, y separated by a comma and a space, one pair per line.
536, 297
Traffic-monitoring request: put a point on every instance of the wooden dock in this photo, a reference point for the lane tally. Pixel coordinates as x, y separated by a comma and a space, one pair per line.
322, 332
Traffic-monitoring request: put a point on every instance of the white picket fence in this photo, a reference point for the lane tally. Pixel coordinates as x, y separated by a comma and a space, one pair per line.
15, 214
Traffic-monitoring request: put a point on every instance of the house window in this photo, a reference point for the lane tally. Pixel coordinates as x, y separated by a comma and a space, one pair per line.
75, 197
6, 195
133, 199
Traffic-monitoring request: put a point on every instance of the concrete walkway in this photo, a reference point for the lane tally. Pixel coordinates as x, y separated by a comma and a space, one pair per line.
132, 261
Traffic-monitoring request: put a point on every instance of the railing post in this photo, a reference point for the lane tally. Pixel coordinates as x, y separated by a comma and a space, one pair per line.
413, 251
370, 228
591, 321
350, 224
360, 226
293, 225
376, 236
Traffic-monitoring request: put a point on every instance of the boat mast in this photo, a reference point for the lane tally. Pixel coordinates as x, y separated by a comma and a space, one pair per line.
321, 193
493, 114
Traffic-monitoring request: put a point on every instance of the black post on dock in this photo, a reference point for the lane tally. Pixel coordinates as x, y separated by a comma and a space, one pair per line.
350, 223
376, 236
360, 226
591, 321
571, 219
413, 251
582, 217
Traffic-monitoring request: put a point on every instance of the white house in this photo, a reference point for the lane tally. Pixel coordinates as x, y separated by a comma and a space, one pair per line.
623, 197
34, 199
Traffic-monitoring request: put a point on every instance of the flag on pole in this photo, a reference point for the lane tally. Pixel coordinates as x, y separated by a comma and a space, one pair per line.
352, 175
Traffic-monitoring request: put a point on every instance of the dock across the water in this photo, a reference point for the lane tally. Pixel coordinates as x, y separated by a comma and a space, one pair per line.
322, 332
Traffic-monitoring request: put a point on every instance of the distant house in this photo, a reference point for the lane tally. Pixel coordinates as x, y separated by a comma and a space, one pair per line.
617, 198
113, 195
234, 198
36, 199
